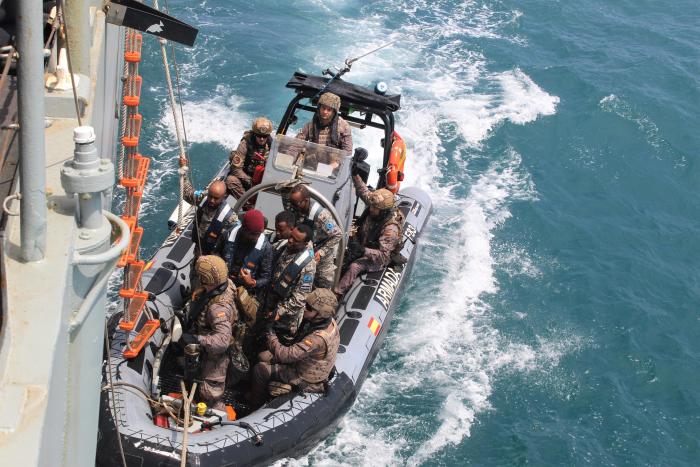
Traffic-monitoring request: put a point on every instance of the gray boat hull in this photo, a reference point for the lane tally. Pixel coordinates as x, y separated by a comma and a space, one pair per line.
290, 425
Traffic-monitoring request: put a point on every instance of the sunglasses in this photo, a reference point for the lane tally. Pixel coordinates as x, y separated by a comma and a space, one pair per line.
260, 136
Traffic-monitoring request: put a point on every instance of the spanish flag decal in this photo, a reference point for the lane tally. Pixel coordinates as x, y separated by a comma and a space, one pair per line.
374, 326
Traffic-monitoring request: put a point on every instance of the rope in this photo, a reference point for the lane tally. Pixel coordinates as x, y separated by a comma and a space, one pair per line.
179, 124
62, 5
115, 412
187, 402
122, 114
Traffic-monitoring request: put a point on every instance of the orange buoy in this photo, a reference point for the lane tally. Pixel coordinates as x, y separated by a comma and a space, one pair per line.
397, 159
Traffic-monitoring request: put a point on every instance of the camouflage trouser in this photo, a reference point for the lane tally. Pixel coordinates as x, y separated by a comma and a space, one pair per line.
234, 185
325, 273
212, 393
264, 372
355, 269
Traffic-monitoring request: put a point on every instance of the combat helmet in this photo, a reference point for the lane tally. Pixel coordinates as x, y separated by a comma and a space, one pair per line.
322, 301
381, 199
211, 270
262, 126
330, 100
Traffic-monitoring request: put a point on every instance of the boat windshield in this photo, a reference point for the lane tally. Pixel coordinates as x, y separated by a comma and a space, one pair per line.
317, 161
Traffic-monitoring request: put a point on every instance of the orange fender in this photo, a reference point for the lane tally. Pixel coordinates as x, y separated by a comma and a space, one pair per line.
397, 159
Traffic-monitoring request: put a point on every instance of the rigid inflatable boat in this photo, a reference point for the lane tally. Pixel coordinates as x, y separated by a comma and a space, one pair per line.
139, 373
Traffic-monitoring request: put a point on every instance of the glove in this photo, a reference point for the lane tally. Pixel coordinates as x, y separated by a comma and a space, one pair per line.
289, 184
187, 339
356, 250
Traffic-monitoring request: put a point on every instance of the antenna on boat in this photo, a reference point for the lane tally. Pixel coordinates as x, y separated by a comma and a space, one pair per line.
348, 65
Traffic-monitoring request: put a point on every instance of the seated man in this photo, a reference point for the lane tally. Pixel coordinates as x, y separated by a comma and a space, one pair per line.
209, 321
327, 127
326, 234
309, 361
284, 223
248, 255
292, 280
378, 234
248, 160
214, 216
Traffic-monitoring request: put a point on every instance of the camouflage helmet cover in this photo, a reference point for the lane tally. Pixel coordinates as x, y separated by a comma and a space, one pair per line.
330, 100
323, 301
262, 126
381, 199
211, 270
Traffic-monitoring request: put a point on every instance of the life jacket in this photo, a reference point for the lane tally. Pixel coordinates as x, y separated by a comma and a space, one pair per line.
370, 229
254, 256
252, 157
284, 285
316, 370
315, 211
210, 238
316, 129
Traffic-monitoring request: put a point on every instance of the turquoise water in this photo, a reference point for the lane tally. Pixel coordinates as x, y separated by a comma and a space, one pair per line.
552, 317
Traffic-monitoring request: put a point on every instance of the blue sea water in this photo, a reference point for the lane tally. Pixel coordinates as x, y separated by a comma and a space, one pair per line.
552, 316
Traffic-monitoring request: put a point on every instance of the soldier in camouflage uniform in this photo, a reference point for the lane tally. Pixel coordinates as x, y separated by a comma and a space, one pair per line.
292, 280
308, 362
211, 315
327, 127
378, 234
251, 155
326, 236
214, 216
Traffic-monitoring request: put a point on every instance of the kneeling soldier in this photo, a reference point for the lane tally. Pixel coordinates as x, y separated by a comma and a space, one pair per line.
308, 362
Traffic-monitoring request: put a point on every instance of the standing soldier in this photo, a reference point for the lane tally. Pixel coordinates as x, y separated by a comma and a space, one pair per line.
378, 234
292, 280
210, 317
248, 160
308, 362
327, 127
326, 234
214, 216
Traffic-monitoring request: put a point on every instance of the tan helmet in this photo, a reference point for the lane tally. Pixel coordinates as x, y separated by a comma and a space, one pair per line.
381, 199
211, 270
330, 100
323, 301
262, 126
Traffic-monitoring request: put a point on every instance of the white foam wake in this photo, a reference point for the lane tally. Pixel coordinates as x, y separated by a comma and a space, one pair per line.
443, 343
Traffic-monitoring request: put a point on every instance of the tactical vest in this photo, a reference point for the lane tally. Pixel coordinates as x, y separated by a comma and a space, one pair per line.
316, 129
211, 236
250, 160
314, 212
284, 285
370, 230
198, 309
254, 256
314, 369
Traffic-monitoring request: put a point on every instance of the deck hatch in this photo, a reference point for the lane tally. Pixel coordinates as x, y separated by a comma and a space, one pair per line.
363, 297
347, 330
180, 249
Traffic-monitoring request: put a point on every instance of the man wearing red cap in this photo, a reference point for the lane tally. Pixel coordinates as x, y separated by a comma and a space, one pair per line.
248, 254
